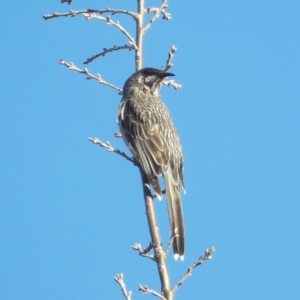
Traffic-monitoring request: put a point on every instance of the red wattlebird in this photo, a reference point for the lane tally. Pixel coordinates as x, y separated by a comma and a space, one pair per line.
150, 135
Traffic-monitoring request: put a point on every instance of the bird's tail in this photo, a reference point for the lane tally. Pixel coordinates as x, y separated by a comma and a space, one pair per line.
175, 214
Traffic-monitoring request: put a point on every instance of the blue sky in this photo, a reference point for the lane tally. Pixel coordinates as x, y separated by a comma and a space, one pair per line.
70, 211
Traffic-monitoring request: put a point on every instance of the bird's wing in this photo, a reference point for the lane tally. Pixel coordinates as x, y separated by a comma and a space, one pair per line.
145, 143
153, 149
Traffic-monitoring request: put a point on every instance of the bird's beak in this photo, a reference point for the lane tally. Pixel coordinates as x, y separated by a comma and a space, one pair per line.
163, 75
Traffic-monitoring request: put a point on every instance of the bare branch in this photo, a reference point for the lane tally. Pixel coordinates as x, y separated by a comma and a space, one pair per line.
172, 83
123, 30
110, 148
169, 65
159, 253
119, 279
170, 243
146, 290
166, 16
139, 37
73, 13
105, 51
157, 11
144, 252
72, 67
207, 256
109, 21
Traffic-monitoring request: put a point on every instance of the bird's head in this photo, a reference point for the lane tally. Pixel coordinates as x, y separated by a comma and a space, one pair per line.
147, 79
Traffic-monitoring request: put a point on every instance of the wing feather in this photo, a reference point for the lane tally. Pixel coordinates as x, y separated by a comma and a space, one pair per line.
151, 137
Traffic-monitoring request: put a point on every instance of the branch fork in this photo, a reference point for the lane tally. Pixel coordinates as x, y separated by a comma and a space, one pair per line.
146, 290
144, 252
119, 278
207, 256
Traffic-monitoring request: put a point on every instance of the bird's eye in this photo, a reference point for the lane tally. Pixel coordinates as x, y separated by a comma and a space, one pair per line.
148, 79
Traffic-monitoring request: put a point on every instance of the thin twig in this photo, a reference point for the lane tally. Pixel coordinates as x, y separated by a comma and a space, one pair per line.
72, 67
119, 279
207, 256
146, 290
144, 252
92, 14
156, 14
166, 16
171, 54
101, 11
110, 148
168, 66
105, 51
173, 84
170, 243
117, 24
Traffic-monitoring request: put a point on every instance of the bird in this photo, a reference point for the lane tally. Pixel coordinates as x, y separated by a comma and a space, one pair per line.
148, 131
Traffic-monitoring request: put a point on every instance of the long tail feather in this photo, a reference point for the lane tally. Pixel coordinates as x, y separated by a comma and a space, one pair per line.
175, 215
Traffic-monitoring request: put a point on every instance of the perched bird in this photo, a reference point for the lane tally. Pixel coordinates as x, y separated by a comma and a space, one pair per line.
148, 131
